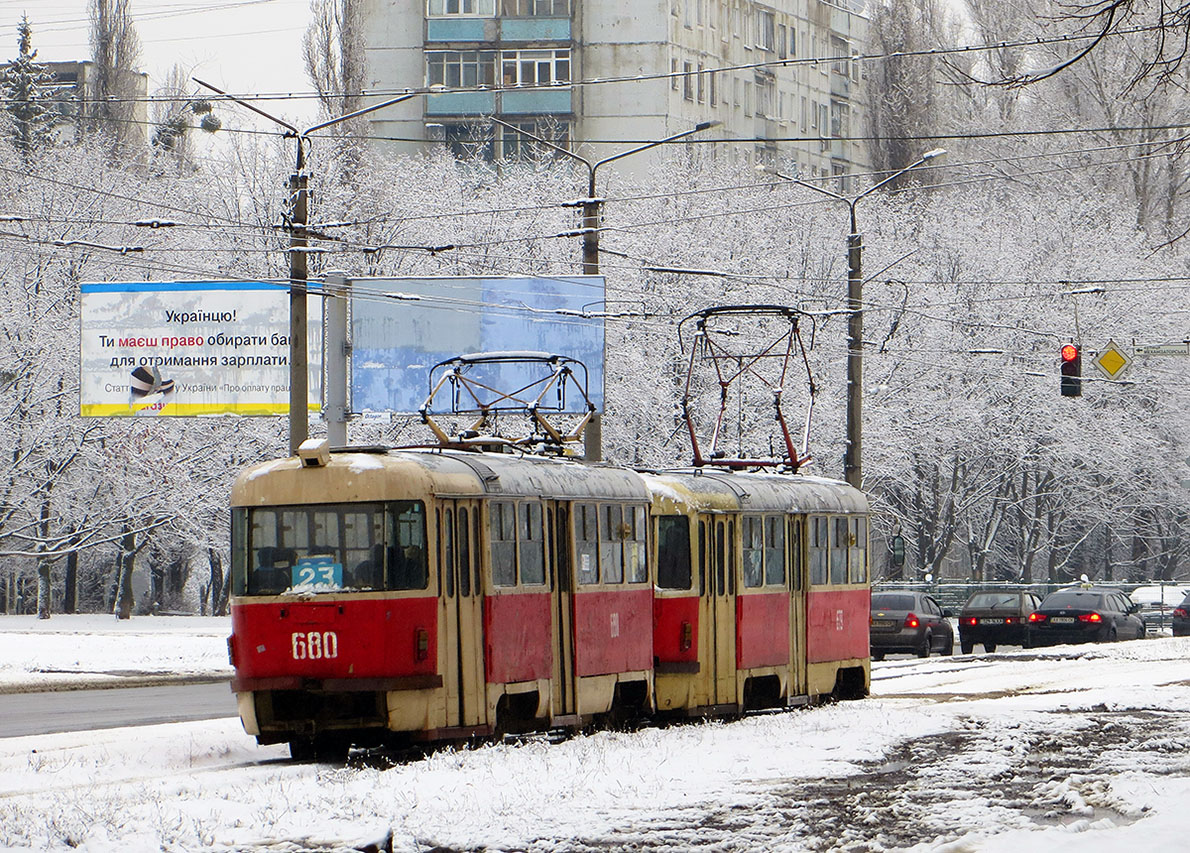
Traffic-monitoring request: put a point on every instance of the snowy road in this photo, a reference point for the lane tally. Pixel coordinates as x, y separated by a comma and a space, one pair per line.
80, 710
1070, 748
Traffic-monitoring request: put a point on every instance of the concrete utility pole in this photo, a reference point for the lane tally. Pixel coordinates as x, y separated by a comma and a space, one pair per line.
852, 458
298, 204
592, 211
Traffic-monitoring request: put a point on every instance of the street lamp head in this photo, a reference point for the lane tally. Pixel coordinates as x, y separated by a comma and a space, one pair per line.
931, 154
707, 125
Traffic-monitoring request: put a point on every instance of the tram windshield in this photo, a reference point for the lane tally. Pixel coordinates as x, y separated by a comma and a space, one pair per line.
329, 547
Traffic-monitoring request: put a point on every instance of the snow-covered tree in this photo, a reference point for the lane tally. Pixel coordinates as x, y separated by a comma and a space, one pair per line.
25, 86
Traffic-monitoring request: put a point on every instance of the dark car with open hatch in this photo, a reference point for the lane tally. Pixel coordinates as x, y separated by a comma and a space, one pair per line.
1094, 614
996, 619
907, 621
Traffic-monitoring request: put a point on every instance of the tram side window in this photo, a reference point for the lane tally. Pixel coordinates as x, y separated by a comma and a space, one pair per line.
673, 552
858, 550
840, 539
774, 550
818, 550
502, 515
753, 551
407, 567
586, 542
532, 544
634, 544
612, 534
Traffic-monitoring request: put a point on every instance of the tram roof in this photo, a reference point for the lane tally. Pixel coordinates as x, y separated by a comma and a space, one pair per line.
363, 475
710, 490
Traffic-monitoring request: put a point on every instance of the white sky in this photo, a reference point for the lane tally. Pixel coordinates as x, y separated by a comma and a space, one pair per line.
1073, 748
242, 46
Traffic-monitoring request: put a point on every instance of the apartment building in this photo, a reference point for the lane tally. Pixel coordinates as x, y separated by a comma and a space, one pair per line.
778, 76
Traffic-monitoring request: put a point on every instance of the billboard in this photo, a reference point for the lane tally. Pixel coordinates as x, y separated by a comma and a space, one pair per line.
402, 327
191, 348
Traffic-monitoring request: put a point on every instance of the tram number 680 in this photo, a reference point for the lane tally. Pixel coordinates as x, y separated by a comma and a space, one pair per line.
314, 645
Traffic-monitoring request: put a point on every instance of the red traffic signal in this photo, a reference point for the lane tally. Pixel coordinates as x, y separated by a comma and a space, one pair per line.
1072, 371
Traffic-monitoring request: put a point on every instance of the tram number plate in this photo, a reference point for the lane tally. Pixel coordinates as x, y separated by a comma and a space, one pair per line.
314, 645
883, 623
317, 571
991, 621
1062, 620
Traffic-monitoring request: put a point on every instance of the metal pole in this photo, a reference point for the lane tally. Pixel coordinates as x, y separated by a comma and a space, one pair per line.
336, 351
852, 459
299, 364
853, 471
593, 433
299, 370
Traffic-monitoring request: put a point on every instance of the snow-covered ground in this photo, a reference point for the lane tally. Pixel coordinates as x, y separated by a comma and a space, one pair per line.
1074, 748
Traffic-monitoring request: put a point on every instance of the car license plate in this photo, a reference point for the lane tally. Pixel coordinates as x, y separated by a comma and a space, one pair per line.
883, 623
1062, 620
991, 621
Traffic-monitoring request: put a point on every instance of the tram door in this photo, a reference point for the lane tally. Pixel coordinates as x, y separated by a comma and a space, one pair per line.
562, 601
462, 594
721, 592
797, 603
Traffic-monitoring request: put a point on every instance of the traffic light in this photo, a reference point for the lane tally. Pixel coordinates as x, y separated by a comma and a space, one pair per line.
1072, 371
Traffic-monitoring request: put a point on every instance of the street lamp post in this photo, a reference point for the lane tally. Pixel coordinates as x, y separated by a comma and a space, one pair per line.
590, 231
852, 458
299, 363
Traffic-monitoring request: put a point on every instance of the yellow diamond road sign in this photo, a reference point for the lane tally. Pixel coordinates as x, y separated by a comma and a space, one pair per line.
1112, 360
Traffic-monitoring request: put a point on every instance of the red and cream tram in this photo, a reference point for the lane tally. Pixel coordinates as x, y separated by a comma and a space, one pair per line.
384, 596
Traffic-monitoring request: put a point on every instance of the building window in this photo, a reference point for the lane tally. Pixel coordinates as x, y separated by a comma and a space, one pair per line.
471, 8
747, 97
467, 140
534, 67
814, 115
840, 120
535, 8
688, 81
455, 68
803, 113
714, 93
793, 41
781, 52
766, 23
702, 86
515, 146
840, 57
673, 72
765, 92
823, 121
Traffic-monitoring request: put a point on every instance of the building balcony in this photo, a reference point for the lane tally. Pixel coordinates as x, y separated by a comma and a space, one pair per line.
537, 102
446, 30
461, 104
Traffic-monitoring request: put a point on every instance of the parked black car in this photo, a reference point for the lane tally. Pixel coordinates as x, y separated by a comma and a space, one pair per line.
1180, 618
1085, 615
996, 618
905, 621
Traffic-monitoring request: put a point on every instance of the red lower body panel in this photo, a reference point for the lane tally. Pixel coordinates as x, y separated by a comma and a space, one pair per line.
837, 624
